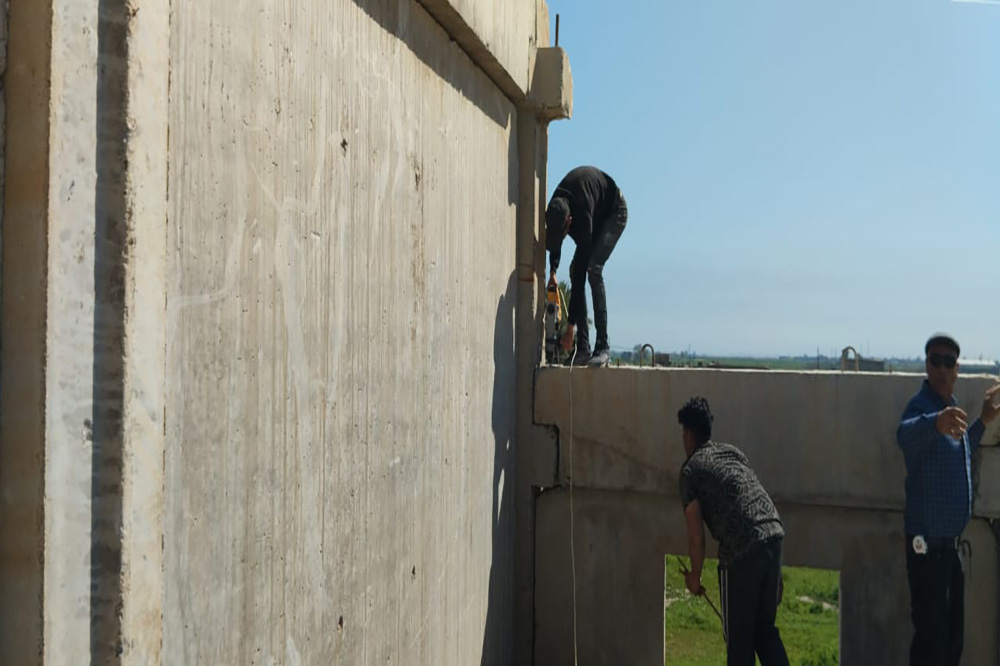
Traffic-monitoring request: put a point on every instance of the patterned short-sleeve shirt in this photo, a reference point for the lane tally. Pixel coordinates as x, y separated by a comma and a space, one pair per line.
738, 511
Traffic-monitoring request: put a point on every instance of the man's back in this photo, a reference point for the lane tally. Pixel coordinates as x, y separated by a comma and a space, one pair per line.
738, 511
592, 196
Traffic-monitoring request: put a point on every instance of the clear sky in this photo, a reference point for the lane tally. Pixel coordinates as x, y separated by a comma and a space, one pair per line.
799, 175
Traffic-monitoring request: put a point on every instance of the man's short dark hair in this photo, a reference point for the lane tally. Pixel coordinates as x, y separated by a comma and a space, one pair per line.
942, 339
555, 216
696, 416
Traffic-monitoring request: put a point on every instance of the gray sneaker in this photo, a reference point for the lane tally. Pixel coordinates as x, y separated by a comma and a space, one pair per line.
581, 358
599, 359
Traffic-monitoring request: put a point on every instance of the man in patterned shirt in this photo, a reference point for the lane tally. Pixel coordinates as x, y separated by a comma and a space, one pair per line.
719, 488
938, 444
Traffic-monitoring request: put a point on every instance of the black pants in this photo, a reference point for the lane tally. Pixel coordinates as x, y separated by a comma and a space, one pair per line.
601, 249
937, 606
749, 595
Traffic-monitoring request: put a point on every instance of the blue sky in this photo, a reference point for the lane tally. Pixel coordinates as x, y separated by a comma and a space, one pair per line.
799, 175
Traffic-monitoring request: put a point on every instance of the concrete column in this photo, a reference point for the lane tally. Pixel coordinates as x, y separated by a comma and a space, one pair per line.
81, 451
48, 322
620, 542
533, 448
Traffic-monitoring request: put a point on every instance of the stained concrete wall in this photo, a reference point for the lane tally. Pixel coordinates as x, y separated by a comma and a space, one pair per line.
824, 446
344, 185
267, 416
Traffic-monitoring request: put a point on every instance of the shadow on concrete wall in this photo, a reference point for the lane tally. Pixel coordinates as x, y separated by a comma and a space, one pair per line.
410, 22
497, 635
109, 316
428, 41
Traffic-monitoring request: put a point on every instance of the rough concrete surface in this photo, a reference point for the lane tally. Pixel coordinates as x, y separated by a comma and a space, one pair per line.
259, 378
505, 32
70, 323
144, 222
340, 341
552, 84
799, 430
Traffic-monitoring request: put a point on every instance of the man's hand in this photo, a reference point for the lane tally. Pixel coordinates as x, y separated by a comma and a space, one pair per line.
567, 338
953, 421
990, 407
552, 281
693, 583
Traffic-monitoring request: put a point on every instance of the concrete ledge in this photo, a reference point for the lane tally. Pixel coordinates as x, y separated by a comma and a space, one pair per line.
818, 438
552, 84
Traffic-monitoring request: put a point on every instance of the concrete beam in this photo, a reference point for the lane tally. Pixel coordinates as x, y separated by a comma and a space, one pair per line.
458, 27
538, 77
837, 431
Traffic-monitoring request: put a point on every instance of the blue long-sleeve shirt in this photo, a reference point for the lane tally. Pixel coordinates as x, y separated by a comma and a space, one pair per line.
938, 468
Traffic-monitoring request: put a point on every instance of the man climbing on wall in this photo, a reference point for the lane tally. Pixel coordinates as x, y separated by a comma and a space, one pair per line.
938, 443
588, 206
719, 488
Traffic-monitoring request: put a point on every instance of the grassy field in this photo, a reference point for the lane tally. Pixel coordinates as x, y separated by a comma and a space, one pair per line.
807, 618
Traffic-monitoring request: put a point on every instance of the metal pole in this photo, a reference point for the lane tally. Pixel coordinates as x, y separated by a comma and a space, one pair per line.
557, 29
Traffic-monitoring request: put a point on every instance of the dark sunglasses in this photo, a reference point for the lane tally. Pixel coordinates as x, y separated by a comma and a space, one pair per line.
947, 360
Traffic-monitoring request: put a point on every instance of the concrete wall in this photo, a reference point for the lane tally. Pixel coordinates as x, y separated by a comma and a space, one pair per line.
259, 381
824, 446
344, 183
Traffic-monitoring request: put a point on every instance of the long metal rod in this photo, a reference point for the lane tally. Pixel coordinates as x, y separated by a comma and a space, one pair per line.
557, 29
685, 571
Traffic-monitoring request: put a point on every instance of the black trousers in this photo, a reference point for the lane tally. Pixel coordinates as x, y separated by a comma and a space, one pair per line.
601, 249
937, 605
749, 595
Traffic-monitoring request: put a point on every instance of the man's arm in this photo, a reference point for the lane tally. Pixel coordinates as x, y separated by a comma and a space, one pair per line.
696, 546
916, 431
986, 416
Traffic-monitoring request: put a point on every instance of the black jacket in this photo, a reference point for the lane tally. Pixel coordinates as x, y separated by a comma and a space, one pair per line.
592, 196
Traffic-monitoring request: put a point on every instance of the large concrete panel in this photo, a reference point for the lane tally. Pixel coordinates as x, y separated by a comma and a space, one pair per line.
813, 437
340, 390
824, 446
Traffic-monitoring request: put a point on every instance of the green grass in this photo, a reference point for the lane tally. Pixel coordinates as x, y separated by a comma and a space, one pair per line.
693, 633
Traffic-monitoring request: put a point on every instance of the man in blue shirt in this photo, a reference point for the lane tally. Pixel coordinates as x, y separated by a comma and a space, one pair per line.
938, 443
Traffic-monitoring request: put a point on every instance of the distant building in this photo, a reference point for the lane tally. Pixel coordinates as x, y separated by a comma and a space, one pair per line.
972, 366
858, 363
